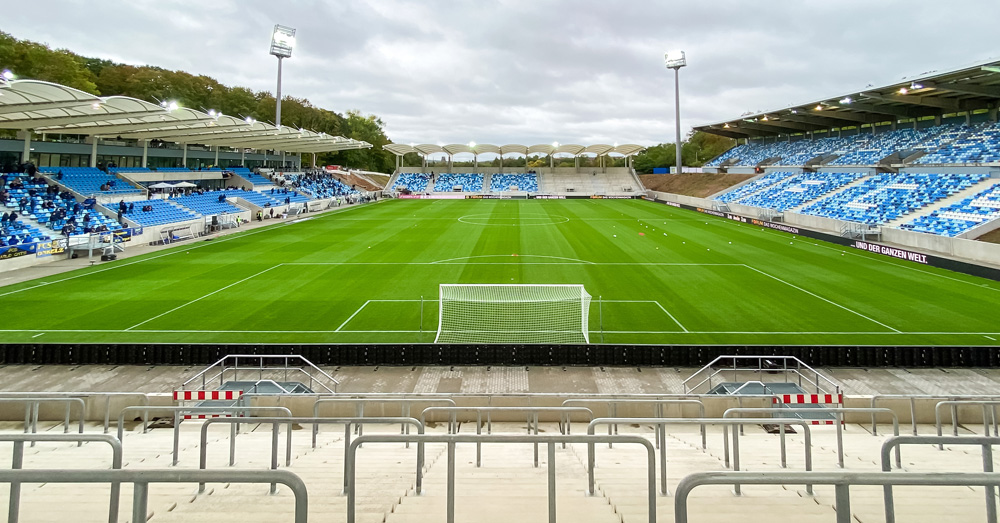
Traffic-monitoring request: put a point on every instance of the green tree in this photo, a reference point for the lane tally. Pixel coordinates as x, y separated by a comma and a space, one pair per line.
37, 61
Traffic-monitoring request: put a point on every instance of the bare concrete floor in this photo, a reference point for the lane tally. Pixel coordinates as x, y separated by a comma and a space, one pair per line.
491, 380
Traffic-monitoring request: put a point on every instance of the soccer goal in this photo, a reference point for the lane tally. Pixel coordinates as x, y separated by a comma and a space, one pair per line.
515, 313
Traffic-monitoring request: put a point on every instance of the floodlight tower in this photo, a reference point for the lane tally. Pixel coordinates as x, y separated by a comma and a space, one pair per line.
675, 60
282, 42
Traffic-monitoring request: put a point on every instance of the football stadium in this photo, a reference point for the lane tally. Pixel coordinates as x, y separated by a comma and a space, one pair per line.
204, 319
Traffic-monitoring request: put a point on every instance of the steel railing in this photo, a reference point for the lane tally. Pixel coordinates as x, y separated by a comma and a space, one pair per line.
276, 422
531, 413
837, 413
797, 370
142, 478
988, 415
31, 412
841, 481
987, 453
452, 439
661, 424
17, 462
234, 411
234, 367
912, 398
658, 407
359, 403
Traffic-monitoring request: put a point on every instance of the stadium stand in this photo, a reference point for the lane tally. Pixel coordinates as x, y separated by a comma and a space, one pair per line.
173, 169
161, 212
980, 144
414, 182
960, 217
469, 182
89, 180
525, 182
249, 175
207, 203
796, 190
318, 185
759, 184
116, 170
943, 144
886, 197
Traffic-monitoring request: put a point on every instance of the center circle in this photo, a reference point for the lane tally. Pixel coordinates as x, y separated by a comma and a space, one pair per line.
513, 221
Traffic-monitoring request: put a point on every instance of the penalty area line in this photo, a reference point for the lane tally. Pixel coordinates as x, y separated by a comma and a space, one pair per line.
852, 311
252, 276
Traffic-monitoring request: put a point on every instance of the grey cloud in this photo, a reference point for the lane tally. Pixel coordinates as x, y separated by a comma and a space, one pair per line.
506, 71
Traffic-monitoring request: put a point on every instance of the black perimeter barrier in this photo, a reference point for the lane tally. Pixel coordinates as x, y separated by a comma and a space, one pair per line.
545, 355
509, 355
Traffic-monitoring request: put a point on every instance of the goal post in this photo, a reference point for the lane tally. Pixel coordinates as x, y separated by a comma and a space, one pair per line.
513, 313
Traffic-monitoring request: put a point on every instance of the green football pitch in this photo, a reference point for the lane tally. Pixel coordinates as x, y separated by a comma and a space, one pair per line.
370, 274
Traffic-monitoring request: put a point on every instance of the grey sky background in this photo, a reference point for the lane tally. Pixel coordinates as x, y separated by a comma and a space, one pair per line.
531, 71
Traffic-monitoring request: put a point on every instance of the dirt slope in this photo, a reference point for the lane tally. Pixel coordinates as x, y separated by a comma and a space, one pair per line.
700, 185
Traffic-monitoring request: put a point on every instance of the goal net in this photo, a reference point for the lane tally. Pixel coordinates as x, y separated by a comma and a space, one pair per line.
515, 313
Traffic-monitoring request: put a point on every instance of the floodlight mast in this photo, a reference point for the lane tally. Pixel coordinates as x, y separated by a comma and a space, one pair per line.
675, 60
282, 43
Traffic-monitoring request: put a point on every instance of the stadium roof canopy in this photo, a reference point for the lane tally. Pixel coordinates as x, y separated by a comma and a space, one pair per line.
933, 94
473, 148
44, 107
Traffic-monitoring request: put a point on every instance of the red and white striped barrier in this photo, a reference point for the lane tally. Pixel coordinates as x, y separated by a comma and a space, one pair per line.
201, 395
808, 398
206, 416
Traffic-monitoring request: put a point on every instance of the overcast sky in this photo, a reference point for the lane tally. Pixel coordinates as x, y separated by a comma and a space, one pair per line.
531, 71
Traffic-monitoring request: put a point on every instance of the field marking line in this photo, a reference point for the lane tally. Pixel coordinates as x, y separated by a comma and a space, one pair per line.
582, 262
365, 304
203, 297
860, 254
985, 336
176, 250
42, 334
822, 298
658, 304
574, 260
192, 331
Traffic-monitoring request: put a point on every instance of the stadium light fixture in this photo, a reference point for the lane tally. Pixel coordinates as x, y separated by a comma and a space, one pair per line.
795, 111
846, 100
282, 43
675, 60
819, 107
8, 75
915, 85
903, 90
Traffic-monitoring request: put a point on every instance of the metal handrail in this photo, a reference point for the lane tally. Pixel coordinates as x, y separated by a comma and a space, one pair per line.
987, 453
661, 424
913, 397
260, 357
276, 421
840, 480
31, 411
359, 407
17, 461
532, 420
452, 439
142, 478
954, 415
799, 364
107, 399
177, 421
838, 413
658, 405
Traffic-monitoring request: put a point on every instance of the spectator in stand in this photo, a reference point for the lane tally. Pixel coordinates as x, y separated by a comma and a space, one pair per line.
22, 203
131, 207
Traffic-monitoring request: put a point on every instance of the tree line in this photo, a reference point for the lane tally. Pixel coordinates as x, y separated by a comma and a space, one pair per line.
101, 77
